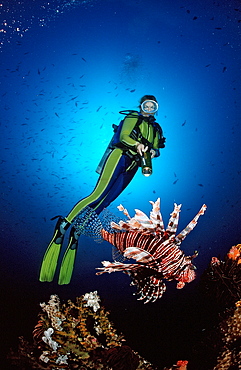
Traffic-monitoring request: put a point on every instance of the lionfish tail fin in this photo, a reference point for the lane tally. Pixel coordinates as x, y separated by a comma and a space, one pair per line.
89, 224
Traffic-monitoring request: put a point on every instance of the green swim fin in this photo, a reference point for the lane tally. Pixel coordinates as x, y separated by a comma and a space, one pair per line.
67, 265
51, 255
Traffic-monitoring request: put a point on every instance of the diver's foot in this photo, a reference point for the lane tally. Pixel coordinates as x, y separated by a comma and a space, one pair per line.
67, 265
51, 255
73, 238
61, 226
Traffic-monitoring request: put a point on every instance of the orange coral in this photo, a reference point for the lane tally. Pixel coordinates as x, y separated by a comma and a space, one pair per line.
182, 365
234, 253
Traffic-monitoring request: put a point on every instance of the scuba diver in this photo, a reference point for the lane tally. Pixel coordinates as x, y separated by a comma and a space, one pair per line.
136, 141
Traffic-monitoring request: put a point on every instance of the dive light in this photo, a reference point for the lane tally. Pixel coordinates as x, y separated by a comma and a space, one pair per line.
146, 164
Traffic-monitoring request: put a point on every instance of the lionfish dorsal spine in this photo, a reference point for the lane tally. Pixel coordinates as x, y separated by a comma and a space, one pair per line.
174, 219
182, 235
156, 217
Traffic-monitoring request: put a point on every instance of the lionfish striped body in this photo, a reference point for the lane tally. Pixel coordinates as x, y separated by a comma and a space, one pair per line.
155, 250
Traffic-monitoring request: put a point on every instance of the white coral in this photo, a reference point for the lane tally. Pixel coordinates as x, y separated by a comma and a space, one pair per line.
93, 300
53, 311
62, 360
44, 357
48, 340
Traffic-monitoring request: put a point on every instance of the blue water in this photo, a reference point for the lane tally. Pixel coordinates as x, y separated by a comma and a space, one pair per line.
67, 68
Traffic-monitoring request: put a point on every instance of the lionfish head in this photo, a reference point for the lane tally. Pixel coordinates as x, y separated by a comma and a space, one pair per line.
186, 276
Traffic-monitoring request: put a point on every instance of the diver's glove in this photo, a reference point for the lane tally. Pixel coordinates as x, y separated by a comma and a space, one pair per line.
153, 153
141, 148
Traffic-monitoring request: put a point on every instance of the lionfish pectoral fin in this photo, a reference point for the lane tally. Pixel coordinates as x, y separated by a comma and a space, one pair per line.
140, 255
152, 290
114, 267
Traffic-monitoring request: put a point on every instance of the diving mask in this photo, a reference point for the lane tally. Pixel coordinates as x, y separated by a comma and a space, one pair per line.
149, 106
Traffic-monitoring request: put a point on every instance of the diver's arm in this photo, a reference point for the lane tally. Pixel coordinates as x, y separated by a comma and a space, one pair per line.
128, 126
156, 144
156, 147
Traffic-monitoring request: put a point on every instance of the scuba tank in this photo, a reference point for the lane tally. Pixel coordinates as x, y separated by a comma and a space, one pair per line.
115, 140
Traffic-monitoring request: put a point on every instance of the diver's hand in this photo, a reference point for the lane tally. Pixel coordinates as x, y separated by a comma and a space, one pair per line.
141, 148
153, 153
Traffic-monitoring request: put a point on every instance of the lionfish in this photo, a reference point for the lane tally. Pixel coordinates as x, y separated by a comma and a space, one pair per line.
155, 250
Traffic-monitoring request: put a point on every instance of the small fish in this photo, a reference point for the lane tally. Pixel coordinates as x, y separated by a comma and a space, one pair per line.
174, 182
183, 124
75, 97
224, 69
97, 110
56, 114
83, 59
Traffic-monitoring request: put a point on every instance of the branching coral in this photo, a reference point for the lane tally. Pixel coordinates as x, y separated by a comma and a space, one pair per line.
222, 279
222, 282
53, 312
230, 356
75, 330
77, 336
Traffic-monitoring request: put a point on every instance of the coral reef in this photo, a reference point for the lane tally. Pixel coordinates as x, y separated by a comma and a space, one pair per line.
221, 283
76, 336
180, 365
222, 279
230, 356
80, 335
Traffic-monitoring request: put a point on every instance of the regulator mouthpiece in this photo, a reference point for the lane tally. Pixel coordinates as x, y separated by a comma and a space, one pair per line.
146, 164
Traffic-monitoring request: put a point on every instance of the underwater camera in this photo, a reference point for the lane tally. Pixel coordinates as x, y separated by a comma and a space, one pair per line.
146, 164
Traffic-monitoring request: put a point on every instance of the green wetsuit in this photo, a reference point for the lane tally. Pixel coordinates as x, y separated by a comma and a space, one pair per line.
116, 167
117, 172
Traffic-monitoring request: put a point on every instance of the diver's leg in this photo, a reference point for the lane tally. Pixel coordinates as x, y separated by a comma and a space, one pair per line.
51, 255
118, 185
110, 173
